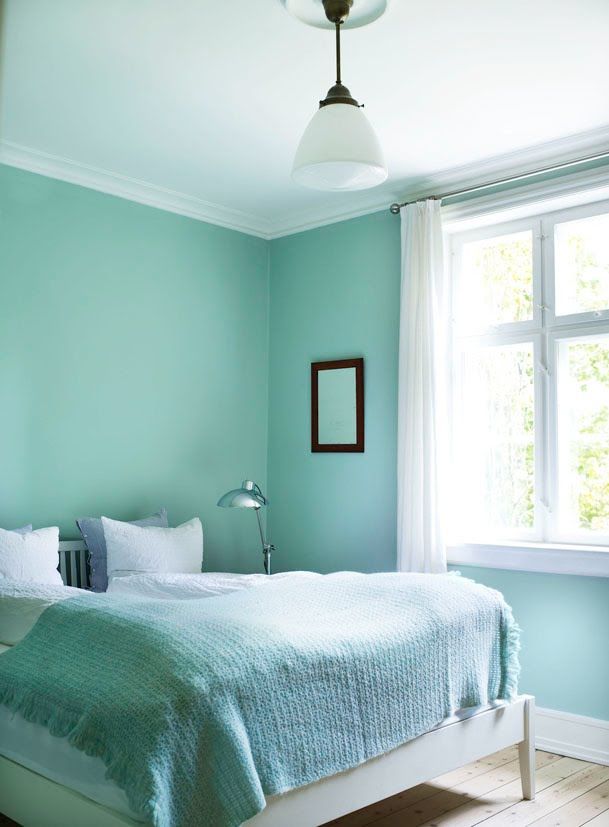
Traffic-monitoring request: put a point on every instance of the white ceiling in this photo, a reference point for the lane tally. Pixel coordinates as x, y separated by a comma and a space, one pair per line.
208, 100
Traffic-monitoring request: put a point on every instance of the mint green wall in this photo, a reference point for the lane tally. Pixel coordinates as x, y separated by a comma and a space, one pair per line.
334, 293
565, 622
126, 375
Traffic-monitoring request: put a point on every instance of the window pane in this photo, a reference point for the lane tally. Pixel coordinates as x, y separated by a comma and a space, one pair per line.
496, 281
495, 443
584, 435
582, 265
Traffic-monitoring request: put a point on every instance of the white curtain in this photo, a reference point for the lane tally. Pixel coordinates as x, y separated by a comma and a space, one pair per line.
423, 378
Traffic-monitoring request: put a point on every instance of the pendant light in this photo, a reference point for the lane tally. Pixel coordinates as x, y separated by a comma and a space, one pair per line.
339, 149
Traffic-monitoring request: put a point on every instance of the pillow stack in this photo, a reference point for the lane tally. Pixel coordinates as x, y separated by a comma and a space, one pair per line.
116, 549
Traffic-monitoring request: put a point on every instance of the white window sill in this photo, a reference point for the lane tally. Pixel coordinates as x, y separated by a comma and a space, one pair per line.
550, 558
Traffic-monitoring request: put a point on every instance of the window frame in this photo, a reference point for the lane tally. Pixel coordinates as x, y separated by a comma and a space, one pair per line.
490, 231
555, 336
503, 339
545, 331
548, 224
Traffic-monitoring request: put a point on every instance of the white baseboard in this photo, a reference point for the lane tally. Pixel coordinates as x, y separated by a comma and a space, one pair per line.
574, 735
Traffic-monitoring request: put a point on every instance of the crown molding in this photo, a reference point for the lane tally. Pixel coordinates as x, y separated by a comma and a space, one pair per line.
518, 162
545, 196
468, 175
143, 192
132, 189
300, 222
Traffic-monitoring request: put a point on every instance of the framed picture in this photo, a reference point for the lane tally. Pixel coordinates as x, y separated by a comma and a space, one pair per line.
337, 406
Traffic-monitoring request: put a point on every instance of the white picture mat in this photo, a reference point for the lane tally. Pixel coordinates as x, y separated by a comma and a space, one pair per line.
336, 405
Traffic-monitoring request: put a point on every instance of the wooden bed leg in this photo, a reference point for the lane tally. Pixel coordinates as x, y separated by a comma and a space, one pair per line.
526, 751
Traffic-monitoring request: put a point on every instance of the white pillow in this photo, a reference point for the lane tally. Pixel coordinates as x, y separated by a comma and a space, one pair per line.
33, 557
21, 604
132, 548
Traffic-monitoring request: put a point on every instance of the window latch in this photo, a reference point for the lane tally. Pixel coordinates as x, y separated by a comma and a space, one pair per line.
543, 368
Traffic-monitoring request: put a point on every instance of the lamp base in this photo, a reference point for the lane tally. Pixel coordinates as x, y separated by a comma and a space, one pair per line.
312, 12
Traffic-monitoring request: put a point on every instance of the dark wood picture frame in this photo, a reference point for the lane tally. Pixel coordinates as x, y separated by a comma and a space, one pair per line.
356, 447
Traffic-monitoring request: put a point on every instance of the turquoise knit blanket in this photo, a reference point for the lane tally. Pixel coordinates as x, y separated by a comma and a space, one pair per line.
201, 708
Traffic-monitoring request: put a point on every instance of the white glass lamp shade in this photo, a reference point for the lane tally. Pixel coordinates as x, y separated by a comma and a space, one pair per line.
339, 151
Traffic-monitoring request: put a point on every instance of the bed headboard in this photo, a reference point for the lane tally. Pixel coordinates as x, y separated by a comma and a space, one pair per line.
74, 563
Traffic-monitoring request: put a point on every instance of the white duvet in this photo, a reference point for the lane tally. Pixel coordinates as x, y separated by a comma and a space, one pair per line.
193, 586
22, 603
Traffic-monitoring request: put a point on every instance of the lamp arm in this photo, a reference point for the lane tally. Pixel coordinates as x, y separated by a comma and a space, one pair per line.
260, 529
266, 547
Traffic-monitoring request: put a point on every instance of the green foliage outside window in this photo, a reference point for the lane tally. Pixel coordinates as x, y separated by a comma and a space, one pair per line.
589, 454
499, 378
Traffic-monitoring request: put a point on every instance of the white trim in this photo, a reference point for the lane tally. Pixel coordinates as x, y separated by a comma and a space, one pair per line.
539, 198
513, 163
468, 175
547, 558
479, 172
132, 189
576, 736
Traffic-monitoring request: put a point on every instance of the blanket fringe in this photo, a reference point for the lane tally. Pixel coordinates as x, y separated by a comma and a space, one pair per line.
61, 724
510, 649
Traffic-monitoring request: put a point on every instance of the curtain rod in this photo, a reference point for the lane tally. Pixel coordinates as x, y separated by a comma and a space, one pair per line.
395, 208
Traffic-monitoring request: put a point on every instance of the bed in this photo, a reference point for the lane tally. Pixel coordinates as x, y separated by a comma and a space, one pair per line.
45, 781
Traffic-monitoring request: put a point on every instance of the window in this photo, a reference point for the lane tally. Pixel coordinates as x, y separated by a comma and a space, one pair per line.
531, 380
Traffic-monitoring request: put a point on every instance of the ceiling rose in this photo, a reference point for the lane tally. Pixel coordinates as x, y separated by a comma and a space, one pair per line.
312, 13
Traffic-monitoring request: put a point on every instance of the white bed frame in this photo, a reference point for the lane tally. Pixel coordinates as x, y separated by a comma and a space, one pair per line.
74, 563
35, 801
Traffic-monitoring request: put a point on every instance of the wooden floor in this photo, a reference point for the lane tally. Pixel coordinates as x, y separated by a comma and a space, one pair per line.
569, 793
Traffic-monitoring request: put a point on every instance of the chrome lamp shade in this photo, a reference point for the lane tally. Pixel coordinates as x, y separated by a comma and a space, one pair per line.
250, 496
